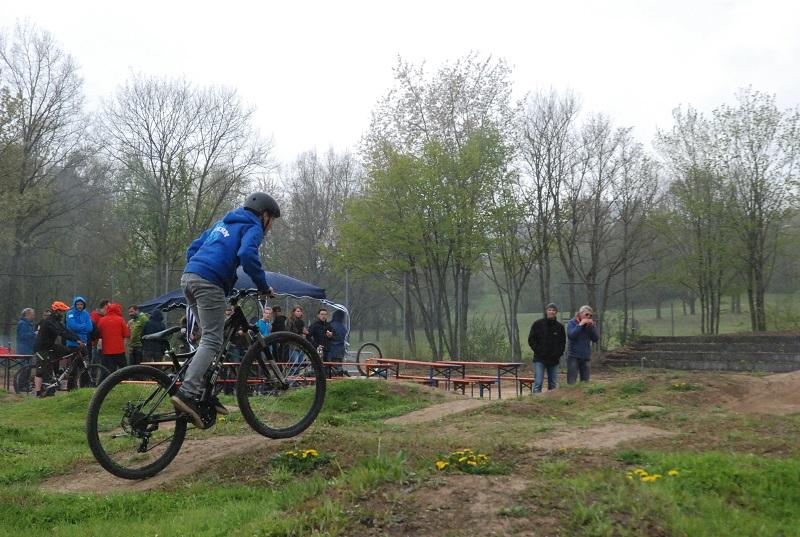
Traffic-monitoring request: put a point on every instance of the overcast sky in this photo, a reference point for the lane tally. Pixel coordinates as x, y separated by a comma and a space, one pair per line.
314, 70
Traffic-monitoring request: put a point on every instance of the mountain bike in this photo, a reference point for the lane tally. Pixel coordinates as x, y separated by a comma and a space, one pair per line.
77, 374
134, 432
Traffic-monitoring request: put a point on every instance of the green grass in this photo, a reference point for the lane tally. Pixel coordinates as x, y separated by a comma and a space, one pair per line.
714, 494
302, 506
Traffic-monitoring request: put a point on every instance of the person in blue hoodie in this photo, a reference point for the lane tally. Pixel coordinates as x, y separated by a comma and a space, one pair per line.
79, 322
210, 273
581, 332
26, 333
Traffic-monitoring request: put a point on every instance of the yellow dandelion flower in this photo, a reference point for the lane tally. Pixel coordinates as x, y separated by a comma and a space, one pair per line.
640, 472
648, 479
629, 477
441, 465
673, 473
472, 463
311, 452
291, 453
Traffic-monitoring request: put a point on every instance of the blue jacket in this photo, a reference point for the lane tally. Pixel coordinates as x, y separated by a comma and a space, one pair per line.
264, 327
231, 242
580, 338
26, 335
79, 322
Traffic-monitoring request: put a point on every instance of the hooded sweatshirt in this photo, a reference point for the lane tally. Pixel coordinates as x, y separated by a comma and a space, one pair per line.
231, 242
79, 322
113, 330
154, 324
336, 346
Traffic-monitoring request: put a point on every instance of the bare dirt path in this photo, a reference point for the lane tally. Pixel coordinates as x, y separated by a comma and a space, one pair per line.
194, 455
601, 437
435, 412
774, 394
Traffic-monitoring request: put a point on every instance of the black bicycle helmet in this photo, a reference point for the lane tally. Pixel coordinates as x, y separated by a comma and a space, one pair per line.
261, 203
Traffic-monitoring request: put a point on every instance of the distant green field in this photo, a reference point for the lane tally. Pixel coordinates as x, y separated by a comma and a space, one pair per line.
783, 313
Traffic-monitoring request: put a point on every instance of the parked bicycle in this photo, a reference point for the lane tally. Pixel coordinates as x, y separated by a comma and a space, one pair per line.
77, 374
134, 432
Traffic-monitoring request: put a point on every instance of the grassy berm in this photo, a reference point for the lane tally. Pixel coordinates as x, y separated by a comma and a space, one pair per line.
581, 461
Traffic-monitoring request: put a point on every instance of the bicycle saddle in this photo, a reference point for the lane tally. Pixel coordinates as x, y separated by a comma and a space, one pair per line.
164, 334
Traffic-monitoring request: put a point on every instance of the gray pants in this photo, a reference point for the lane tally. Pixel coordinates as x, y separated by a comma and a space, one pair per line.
577, 366
208, 304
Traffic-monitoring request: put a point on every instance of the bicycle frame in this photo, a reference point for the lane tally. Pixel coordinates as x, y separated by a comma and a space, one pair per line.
74, 359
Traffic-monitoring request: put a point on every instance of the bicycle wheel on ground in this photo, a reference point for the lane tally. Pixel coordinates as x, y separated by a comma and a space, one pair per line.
366, 352
91, 376
132, 428
281, 385
23, 380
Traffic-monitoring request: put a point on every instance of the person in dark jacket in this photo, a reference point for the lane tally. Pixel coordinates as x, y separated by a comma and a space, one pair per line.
26, 332
320, 332
336, 345
210, 273
278, 320
547, 339
581, 333
46, 347
153, 351
295, 323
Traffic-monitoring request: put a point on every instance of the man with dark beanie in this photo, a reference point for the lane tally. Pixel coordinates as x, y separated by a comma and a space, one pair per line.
547, 339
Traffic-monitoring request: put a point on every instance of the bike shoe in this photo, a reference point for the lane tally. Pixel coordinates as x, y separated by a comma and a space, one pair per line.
188, 405
220, 408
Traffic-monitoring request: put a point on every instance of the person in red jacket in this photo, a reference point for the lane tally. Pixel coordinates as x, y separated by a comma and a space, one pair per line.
95, 316
114, 332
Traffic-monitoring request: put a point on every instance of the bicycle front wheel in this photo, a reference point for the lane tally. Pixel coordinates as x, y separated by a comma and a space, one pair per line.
281, 385
91, 376
132, 428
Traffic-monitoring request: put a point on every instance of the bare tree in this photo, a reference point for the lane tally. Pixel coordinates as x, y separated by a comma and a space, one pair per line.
41, 135
545, 131
183, 156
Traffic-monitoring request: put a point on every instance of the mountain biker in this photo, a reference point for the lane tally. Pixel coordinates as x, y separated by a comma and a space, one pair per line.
45, 346
210, 274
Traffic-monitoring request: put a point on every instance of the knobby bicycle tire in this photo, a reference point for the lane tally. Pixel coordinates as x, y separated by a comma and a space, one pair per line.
363, 348
136, 375
91, 376
257, 387
23, 379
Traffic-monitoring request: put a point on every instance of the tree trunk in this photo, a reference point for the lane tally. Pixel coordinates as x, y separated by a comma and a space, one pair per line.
10, 300
658, 307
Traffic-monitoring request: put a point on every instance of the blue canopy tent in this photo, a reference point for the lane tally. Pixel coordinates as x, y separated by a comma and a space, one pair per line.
281, 285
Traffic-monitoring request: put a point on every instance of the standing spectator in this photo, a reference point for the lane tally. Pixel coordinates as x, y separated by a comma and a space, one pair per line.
279, 322
79, 321
336, 344
136, 325
95, 316
45, 315
114, 333
295, 323
320, 333
547, 339
581, 333
265, 323
46, 347
26, 332
153, 351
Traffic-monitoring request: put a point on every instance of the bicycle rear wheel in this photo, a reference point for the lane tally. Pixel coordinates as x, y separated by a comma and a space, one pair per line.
366, 352
23, 380
281, 385
91, 376
132, 428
